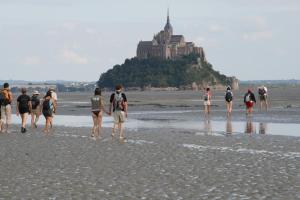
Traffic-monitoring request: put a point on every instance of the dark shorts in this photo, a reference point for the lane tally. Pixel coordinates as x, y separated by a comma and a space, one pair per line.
23, 110
96, 113
249, 104
262, 97
47, 113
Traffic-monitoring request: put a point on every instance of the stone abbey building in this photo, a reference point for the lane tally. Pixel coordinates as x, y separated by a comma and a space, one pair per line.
165, 45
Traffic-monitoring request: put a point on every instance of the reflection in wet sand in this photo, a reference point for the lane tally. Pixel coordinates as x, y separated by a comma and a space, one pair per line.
229, 126
250, 128
262, 128
207, 126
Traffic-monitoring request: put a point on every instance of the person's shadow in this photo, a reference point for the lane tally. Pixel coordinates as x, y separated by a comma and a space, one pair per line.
207, 126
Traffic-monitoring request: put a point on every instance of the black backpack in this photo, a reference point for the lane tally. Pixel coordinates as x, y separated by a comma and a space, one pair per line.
35, 102
2, 98
261, 91
228, 96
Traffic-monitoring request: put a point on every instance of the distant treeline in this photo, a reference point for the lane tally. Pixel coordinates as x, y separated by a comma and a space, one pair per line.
58, 87
154, 72
272, 82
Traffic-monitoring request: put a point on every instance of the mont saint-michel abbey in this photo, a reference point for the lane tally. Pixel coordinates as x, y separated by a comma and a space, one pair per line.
165, 45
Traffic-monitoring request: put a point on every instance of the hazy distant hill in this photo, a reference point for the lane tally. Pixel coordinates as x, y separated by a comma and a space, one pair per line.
272, 82
154, 72
19, 82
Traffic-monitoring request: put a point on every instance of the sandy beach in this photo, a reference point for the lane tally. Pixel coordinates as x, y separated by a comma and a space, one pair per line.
150, 164
159, 161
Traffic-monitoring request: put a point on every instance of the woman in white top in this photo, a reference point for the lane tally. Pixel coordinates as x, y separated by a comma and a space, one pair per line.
207, 101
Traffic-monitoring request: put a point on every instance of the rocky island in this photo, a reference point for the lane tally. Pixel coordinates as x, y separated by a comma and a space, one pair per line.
168, 61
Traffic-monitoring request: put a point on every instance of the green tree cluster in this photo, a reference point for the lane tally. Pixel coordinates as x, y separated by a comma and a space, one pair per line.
156, 72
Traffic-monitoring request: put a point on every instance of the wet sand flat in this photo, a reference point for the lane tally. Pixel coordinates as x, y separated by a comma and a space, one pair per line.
150, 164
286, 99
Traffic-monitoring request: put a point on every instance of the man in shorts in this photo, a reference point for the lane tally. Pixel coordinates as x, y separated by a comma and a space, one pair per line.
54, 99
6, 108
118, 105
263, 97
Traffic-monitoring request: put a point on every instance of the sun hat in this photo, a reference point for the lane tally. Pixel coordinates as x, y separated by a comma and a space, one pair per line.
35, 92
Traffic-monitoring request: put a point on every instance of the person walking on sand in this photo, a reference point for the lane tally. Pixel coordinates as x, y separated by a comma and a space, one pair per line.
35, 109
97, 112
249, 100
6, 107
119, 106
47, 110
23, 108
263, 97
54, 99
207, 101
228, 100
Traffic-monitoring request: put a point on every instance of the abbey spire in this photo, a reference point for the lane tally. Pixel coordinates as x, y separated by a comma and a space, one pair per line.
168, 27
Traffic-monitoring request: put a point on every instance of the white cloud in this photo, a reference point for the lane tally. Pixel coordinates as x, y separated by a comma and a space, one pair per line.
206, 42
200, 40
260, 21
90, 31
258, 35
31, 60
215, 28
70, 26
70, 56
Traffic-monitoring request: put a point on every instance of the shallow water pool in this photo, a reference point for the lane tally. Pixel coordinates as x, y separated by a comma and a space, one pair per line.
205, 126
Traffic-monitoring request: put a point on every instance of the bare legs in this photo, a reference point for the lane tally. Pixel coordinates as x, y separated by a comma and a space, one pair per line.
96, 131
264, 103
5, 118
34, 119
229, 108
249, 110
24, 119
119, 126
48, 124
207, 109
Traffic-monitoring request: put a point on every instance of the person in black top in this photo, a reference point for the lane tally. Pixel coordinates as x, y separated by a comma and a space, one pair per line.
36, 108
249, 100
118, 105
23, 108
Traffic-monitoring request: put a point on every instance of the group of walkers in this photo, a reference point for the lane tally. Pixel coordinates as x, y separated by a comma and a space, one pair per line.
249, 100
32, 105
27, 105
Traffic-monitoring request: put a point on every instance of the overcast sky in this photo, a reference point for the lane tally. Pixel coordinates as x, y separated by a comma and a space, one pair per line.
80, 39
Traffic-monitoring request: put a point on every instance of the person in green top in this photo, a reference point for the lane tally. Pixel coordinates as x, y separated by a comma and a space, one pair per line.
97, 105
